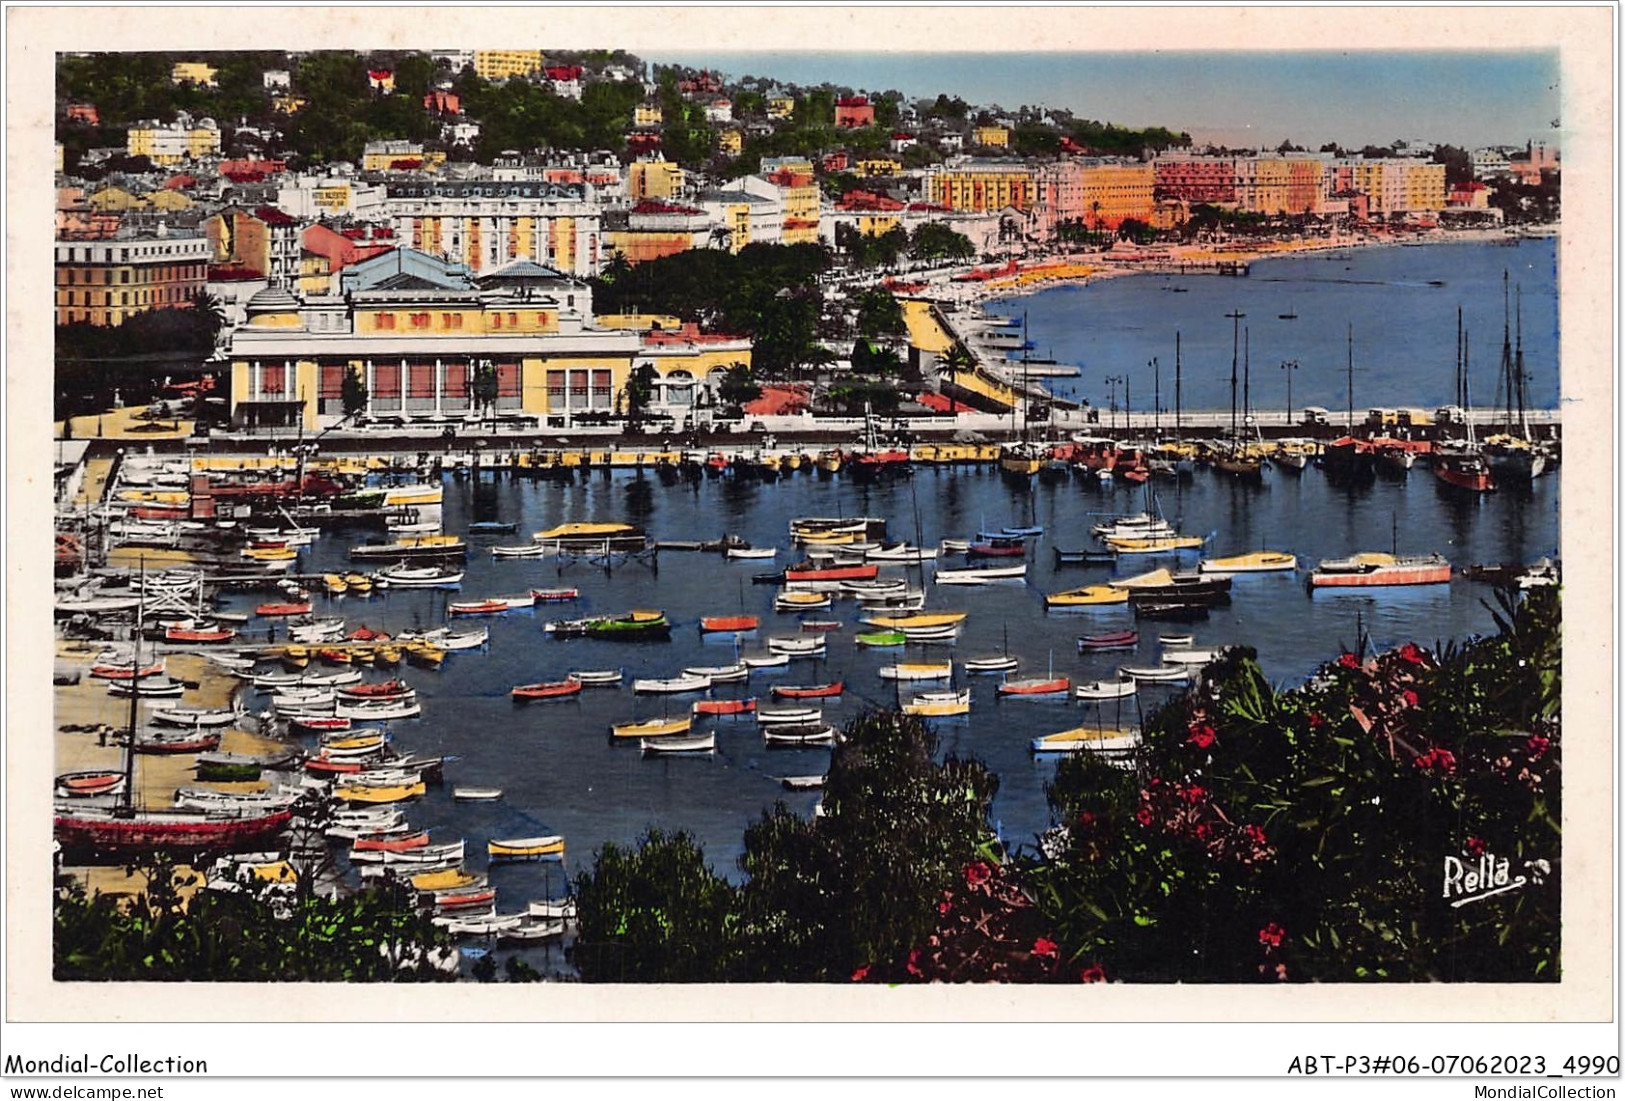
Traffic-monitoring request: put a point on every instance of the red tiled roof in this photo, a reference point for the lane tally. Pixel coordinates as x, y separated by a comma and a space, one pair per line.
271, 216
852, 101
867, 200
940, 403
655, 206
688, 333
777, 401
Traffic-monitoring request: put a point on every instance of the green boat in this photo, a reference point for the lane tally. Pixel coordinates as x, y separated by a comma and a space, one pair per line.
881, 638
360, 499
634, 626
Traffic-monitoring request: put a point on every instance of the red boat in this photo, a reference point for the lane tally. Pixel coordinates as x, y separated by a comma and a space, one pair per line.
548, 690
380, 690
367, 634
808, 691
554, 596
1035, 686
124, 672
729, 623
108, 833
196, 634
185, 743
1001, 549
724, 707
465, 899
1114, 640
390, 843
808, 571
90, 782
820, 626
335, 655
329, 766
1467, 470
161, 512
282, 609
477, 607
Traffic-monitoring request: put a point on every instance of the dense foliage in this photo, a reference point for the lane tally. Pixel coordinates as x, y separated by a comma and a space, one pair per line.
244, 935
1261, 835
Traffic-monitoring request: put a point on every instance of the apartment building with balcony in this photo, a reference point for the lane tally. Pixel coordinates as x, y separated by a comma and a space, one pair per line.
496, 65
108, 280
486, 223
172, 143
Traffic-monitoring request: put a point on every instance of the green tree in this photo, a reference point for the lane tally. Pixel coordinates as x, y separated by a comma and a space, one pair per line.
737, 387
639, 389
879, 313
482, 387
353, 393
652, 913
935, 241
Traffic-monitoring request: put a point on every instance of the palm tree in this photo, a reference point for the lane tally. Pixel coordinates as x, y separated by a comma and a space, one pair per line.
956, 360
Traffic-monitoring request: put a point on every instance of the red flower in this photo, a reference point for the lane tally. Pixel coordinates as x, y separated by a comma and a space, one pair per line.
1441, 759
978, 873
1349, 661
1203, 831
1412, 653
1475, 846
1043, 946
914, 962
1411, 698
861, 973
1271, 935
1143, 816
1093, 973
1255, 834
1086, 819
1316, 720
1538, 747
944, 907
1202, 736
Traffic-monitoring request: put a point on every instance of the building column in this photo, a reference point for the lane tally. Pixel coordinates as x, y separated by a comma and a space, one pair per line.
370, 384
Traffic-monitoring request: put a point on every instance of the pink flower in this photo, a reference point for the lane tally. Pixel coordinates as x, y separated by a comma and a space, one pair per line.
1538, 747
1143, 816
1093, 973
1195, 794
1255, 834
861, 973
944, 907
1412, 653
1316, 720
978, 873
1271, 935
1349, 661
1475, 846
1043, 946
914, 962
1411, 698
1440, 759
1202, 736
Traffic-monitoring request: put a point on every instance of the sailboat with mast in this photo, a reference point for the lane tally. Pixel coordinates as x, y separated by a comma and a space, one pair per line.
1347, 459
121, 830
1172, 459
1461, 463
1021, 459
1514, 455
1234, 458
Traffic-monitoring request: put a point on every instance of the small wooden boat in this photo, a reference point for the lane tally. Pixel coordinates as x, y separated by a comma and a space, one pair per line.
390, 842
984, 666
1256, 562
672, 685
274, 608
720, 674
766, 661
551, 596
925, 619
492, 527
724, 707
547, 690
802, 783
525, 848
1161, 544
552, 908
379, 710
1088, 739
598, 678
804, 572
475, 794
652, 728
638, 625
979, 575
377, 690
931, 634
1376, 569
808, 691
1172, 656
447, 879
494, 606
523, 550
334, 584
359, 583
89, 783
194, 716
379, 793
753, 554
151, 688
1084, 558
810, 646
1111, 640
880, 639
1176, 640
419, 577
939, 704
462, 899
997, 547
529, 930
126, 671
429, 856
802, 601
900, 552
410, 547
1107, 689
424, 654
1090, 596
1156, 674
1183, 611
1035, 686
794, 734
820, 626
720, 624
198, 634
698, 743
908, 671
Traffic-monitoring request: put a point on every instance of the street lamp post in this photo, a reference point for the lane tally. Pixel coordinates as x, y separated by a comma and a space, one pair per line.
1112, 382
1290, 366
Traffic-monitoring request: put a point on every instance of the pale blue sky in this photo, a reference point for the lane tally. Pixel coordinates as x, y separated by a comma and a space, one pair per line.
1355, 98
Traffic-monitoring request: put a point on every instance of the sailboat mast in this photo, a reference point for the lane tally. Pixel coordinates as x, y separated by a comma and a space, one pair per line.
1156, 397
126, 803
1466, 385
1460, 398
1507, 377
1351, 380
1517, 361
1179, 392
1247, 375
1235, 348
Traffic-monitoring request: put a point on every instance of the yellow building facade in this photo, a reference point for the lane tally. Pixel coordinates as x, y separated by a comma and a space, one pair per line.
647, 114
193, 72
996, 136
982, 187
730, 143
1113, 192
503, 64
654, 180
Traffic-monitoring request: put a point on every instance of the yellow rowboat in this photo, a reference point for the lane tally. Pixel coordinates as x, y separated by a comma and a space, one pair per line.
940, 705
358, 582
296, 657
1130, 545
1256, 562
388, 656
1086, 596
447, 879
422, 653
155, 496
929, 619
585, 530
652, 728
1085, 739
335, 585
829, 538
362, 655
523, 848
381, 793
407, 496
270, 554
357, 743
